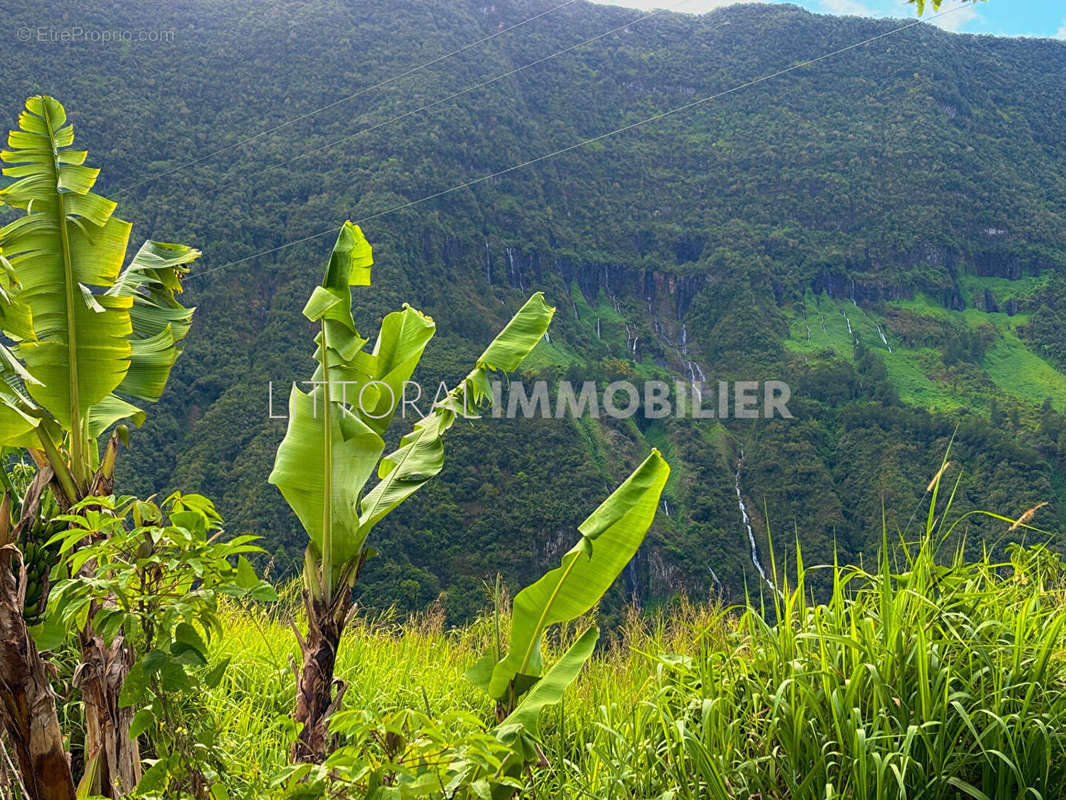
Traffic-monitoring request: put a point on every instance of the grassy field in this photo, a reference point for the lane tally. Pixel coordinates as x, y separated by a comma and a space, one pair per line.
819, 331
925, 677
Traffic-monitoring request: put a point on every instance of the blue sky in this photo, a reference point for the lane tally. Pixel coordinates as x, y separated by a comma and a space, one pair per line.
1000, 17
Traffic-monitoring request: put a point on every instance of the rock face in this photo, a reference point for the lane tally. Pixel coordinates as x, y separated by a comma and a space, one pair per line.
990, 304
520, 269
864, 290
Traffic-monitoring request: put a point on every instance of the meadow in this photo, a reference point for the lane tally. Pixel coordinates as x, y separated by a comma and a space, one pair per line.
923, 676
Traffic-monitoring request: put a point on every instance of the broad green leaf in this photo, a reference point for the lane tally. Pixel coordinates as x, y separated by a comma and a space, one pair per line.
156, 776
519, 337
334, 441
109, 411
214, 675
100, 340
49, 634
246, 577
188, 637
263, 592
18, 425
351, 260
305, 460
158, 320
480, 672
142, 721
399, 347
549, 689
134, 687
610, 537
82, 328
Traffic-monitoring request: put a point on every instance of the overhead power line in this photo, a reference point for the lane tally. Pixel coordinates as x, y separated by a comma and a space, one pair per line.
583, 142
475, 87
335, 103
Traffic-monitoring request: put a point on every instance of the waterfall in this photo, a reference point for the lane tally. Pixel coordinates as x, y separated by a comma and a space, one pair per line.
884, 341
747, 526
515, 275
824, 328
547, 338
598, 335
666, 508
845, 313
697, 385
808, 327
853, 293
717, 583
684, 339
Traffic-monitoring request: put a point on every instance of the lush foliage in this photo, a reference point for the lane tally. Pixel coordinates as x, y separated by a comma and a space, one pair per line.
86, 331
913, 172
158, 575
919, 678
81, 334
335, 444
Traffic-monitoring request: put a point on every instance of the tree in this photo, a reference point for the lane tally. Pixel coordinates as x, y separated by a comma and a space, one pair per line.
334, 444
86, 334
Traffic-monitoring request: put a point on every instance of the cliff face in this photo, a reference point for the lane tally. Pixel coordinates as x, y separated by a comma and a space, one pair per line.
820, 228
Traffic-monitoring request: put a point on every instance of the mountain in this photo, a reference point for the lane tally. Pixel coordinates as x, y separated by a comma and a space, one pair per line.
884, 230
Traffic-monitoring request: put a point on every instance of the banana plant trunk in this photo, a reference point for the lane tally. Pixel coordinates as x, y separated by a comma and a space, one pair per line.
108, 746
27, 703
319, 693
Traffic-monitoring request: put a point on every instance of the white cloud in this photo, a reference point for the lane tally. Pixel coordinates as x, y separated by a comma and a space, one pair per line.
848, 7
959, 14
1062, 31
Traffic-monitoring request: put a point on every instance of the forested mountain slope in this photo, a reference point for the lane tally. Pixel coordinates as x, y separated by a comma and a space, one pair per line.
885, 230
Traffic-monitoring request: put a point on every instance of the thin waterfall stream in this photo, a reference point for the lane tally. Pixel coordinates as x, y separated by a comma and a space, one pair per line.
747, 526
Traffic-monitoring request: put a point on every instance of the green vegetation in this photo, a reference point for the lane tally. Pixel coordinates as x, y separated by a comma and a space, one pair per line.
153, 580
334, 445
902, 174
81, 334
921, 676
141, 653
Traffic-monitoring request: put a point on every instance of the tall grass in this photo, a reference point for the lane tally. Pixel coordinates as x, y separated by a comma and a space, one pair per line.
923, 677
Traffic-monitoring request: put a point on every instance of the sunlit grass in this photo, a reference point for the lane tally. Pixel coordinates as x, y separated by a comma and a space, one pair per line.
918, 373
921, 676
1020, 373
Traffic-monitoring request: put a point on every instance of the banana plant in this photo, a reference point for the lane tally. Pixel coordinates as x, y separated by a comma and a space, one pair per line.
83, 338
87, 334
331, 465
610, 537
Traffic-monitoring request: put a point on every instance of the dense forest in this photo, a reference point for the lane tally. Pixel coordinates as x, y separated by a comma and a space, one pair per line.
884, 231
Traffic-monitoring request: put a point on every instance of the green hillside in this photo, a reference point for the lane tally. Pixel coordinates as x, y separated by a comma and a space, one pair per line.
905, 188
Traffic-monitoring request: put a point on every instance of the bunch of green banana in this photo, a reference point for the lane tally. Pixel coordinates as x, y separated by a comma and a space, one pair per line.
38, 557
39, 561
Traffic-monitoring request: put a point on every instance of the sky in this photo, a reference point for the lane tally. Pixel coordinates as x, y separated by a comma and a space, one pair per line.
999, 17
